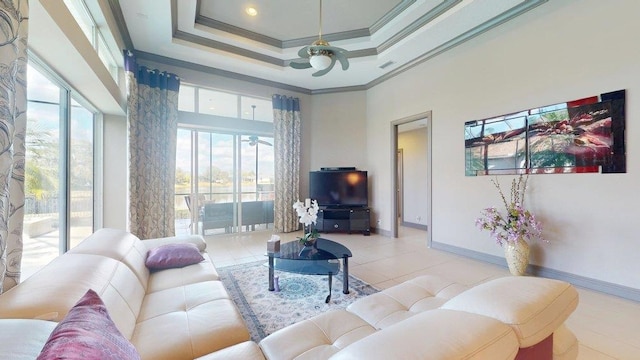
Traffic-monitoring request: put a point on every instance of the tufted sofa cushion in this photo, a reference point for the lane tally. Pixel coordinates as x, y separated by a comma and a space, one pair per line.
405, 300
318, 337
328, 333
247, 350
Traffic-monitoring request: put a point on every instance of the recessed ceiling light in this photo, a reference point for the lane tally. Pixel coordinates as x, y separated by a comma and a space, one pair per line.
251, 11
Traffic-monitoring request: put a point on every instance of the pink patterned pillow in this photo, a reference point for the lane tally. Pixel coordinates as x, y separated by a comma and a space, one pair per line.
87, 332
173, 256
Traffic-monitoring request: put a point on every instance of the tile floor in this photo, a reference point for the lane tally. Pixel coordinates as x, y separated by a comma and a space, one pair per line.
607, 327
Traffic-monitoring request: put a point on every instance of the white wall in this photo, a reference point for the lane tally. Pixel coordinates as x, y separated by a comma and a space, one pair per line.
334, 133
414, 152
115, 170
557, 52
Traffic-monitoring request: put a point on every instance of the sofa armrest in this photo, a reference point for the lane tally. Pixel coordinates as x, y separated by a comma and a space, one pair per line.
437, 335
194, 239
533, 307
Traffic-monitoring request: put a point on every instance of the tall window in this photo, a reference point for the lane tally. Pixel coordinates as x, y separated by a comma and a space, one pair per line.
59, 170
96, 35
225, 157
216, 168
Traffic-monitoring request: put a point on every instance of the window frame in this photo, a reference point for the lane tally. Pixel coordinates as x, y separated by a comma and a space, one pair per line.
67, 92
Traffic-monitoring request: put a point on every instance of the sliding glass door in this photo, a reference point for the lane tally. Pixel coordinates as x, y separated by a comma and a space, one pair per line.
59, 170
224, 182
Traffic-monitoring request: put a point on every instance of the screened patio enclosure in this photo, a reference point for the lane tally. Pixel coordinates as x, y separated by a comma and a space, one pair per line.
224, 182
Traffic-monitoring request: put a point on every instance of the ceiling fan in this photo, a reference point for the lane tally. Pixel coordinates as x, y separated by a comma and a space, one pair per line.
253, 140
320, 55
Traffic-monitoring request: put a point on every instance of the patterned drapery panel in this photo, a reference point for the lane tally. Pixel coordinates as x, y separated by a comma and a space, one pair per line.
286, 124
152, 114
13, 120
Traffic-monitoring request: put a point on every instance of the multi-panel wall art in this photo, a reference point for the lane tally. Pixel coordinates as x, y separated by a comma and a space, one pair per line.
579, 136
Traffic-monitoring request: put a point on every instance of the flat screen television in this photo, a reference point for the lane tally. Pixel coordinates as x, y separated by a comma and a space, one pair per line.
337, 188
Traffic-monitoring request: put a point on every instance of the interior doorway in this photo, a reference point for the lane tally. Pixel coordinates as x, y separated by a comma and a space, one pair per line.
411, 183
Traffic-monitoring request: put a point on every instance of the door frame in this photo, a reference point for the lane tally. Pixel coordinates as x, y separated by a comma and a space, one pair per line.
400, 184
394, 171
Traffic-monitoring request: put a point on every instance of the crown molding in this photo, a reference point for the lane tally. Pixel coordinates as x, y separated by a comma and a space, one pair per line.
219, 72
418, 23
235, 30
458, 40
386, 18
116, 10
218, 45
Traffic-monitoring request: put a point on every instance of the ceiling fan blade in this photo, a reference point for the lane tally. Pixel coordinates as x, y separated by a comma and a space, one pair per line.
322, 72
304, 52
301, 64
341, 55
265, 142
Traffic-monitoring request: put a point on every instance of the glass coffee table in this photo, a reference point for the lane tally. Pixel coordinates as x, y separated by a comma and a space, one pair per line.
321, 259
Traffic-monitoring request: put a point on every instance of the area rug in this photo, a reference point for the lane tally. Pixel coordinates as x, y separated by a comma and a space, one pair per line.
300, 296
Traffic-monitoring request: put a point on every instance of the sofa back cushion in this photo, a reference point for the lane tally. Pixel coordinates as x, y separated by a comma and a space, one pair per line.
119, 245
533, 307
55, 289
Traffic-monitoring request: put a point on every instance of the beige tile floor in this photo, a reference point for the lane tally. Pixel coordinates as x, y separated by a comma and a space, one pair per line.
607, 327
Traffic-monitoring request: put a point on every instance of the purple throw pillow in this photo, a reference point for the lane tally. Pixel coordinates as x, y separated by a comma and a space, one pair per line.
173, 256
87, 332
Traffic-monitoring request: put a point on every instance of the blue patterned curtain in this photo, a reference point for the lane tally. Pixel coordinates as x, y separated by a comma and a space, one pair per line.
13, 120
286, 139
152, 114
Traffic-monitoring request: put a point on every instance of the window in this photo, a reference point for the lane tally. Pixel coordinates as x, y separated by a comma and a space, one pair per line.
217, 103
224, 104
59, 169
256, 109
187, 98
232, 169
224, 156
95, 35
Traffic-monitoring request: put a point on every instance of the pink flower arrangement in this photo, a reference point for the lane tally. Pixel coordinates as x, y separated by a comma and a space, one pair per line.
517, 223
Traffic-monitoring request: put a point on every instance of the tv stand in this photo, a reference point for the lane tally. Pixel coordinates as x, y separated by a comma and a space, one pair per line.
344, 219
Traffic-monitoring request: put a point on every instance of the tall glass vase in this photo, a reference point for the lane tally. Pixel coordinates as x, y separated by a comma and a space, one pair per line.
517, 255
311, 240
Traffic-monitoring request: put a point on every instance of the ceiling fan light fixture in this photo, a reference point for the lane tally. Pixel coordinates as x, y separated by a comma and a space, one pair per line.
320, 55
251, 11
320, 61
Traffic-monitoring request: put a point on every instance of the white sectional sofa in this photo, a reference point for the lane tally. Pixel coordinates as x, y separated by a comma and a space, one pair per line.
185, 313
432, 318
181, 313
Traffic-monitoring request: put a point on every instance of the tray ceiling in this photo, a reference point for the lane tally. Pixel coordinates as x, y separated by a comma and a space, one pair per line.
383, 37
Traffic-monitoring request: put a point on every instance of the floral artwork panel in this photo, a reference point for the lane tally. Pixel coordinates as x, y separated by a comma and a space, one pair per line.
579, 136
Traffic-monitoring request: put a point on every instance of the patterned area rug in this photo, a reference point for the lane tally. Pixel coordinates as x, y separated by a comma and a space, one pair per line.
300, 296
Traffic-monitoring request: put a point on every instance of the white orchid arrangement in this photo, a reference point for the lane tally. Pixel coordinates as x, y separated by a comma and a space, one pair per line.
308, 214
